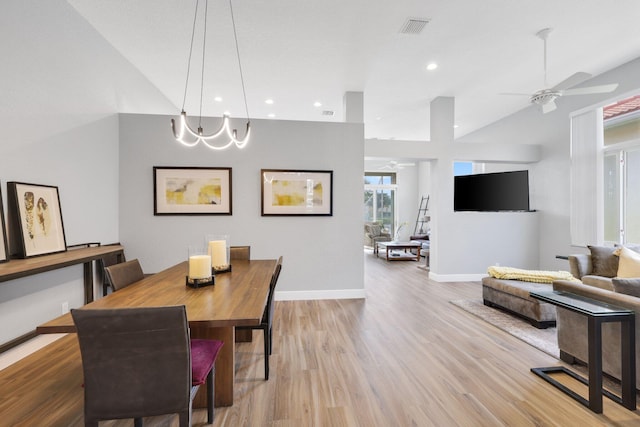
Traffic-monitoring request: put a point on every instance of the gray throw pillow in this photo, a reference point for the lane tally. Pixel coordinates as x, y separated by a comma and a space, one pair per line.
627, 286
604, 262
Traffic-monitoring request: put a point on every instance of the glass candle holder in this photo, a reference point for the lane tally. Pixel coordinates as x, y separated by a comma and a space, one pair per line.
199, 266
219, 251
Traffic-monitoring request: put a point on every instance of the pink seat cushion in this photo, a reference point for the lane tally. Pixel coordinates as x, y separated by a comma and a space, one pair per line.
203, 357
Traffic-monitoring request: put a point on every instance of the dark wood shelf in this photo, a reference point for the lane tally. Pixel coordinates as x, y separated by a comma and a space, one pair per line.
17, 268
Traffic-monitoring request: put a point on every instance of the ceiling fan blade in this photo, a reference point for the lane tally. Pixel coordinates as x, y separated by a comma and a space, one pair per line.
548, 107
591, 89
572, 80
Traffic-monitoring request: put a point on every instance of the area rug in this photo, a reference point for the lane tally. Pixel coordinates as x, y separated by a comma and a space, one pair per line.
542, 339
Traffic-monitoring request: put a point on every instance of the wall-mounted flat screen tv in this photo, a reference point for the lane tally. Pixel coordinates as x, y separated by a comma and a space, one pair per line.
492, 192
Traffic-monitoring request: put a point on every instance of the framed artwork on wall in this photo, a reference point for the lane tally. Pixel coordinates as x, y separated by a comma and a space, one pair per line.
4, 249
296, 192
191, 191
35, 220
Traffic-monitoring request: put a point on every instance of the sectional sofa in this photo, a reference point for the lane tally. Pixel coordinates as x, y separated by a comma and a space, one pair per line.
606, 276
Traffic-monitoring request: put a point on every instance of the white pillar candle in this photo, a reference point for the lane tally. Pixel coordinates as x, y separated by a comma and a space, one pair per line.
199, 266
218, 253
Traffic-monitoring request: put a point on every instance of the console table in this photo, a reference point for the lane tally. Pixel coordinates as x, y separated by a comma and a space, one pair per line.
17, 268
597, 313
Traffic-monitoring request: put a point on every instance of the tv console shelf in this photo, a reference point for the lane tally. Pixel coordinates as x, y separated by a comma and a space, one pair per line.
17, 268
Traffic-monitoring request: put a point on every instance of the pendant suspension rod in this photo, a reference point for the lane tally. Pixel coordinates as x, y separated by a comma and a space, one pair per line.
235, 36
204, 45
193, 32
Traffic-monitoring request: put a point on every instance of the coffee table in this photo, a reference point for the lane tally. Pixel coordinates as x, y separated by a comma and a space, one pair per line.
597, 313
396, 247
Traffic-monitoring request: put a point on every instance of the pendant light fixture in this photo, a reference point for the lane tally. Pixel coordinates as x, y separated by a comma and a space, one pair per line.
182, 131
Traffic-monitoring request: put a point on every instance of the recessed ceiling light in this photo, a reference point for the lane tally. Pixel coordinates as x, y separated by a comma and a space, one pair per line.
317, 104
218, 99
226, 113
269, 101
271, 115
455, 126
432, 66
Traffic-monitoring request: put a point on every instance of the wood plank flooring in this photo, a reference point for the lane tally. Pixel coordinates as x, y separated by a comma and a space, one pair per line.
404, 356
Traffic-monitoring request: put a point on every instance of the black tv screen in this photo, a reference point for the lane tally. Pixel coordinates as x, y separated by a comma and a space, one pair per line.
492, 192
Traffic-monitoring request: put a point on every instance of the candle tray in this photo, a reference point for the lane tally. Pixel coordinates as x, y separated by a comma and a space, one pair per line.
200, 283
226, 269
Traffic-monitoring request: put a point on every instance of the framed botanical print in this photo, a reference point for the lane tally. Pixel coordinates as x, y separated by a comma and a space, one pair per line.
35, 220
192, 191
297, 192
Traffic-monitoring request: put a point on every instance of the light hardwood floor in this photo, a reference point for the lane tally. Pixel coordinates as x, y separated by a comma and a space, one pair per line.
404, 356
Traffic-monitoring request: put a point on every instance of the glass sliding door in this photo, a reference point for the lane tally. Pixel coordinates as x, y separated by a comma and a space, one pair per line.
380, 206
380, 199
612, 202
632, 196
622, 196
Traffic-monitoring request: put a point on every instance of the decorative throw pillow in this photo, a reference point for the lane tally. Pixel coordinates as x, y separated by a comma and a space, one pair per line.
629, 264
375, 230
627, 286
603, 260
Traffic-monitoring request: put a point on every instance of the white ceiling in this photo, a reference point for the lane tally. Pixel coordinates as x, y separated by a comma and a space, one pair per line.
300, 51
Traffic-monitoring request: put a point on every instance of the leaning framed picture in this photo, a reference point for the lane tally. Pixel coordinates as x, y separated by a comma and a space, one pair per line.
297, 192
35, 220
191, 191
4, 249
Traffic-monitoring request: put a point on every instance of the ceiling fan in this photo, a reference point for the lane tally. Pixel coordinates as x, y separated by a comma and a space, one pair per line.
546, 98
394, 165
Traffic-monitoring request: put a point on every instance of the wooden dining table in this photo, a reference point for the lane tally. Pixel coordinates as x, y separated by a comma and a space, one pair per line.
238, 298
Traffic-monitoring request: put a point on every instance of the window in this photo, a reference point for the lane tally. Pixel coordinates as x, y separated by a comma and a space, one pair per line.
621, 166
462, 168
380, 198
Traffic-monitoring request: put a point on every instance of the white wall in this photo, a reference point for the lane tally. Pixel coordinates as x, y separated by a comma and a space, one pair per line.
62, 85
465, 244
322, 255
550, 176
529, 140
407, 179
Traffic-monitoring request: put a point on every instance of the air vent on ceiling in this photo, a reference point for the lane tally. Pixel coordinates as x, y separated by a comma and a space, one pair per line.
414, 26
328, 113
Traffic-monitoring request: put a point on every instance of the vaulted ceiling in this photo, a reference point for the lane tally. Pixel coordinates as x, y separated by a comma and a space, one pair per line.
297, 52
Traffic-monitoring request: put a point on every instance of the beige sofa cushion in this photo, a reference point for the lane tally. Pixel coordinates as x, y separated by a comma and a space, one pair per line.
627, 286
629, 263
598, 282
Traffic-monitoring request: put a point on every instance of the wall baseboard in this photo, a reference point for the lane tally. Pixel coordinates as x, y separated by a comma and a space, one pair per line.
312, 295
456, 277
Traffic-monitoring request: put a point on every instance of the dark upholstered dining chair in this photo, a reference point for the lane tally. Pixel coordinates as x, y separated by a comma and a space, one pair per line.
140, 362
267, 319
240, 252
123, 274
107, 261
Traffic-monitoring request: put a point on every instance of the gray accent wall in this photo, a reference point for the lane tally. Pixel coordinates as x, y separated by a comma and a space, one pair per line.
322, 255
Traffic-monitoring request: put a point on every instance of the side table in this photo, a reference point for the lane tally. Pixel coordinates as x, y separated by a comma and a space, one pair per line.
597, 313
